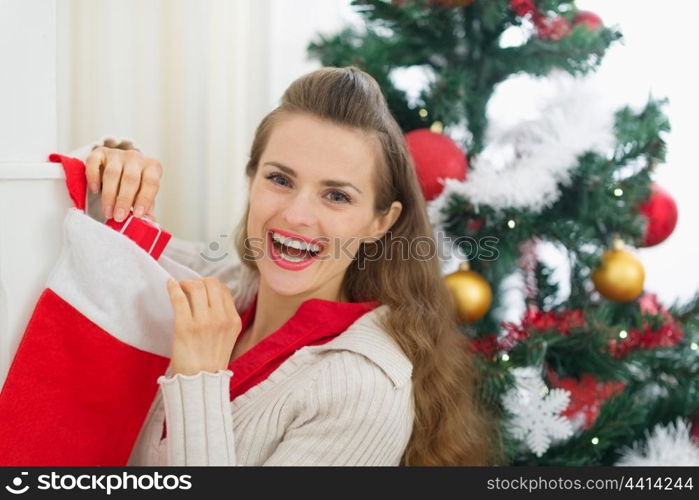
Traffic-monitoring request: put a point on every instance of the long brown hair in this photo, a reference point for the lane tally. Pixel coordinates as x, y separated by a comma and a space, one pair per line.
450, 426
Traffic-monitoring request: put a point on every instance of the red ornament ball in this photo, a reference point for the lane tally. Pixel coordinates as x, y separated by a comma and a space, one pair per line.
523, 7
436, 156
661, 212
552, 28
589, 19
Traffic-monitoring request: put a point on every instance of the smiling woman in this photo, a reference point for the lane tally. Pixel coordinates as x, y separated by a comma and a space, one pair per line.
335, 123
325, 349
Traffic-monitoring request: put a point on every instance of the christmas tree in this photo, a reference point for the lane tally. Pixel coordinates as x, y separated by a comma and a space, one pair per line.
596, 371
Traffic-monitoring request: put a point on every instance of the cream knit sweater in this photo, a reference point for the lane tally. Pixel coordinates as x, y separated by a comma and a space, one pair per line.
346, 402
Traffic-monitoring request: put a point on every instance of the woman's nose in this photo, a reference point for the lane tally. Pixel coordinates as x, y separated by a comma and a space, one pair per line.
300, 211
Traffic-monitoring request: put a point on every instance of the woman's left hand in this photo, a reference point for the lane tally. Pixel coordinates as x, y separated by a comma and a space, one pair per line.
207, 325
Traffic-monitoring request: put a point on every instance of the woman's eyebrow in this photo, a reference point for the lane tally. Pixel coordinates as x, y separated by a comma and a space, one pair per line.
326, 182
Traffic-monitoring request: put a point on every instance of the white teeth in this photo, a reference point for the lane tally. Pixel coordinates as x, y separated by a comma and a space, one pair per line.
292, 259
291, 242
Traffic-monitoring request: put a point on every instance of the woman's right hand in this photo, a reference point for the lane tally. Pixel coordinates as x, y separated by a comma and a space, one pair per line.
207, 325
127, 179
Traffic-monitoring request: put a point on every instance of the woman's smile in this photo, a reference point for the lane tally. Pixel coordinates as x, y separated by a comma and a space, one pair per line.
291, 253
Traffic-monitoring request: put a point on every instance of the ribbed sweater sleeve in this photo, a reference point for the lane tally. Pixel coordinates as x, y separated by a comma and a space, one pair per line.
198, 416
351, 414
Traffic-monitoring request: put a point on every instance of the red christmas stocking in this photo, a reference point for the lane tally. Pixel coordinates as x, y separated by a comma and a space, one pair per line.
85, 373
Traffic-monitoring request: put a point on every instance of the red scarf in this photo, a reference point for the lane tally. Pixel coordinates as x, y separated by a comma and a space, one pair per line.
315, 322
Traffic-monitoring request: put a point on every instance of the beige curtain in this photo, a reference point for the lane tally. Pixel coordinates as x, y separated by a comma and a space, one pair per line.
188, 81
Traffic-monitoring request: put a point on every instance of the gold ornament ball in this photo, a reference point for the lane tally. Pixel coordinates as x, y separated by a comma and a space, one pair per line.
620, 277
471, 292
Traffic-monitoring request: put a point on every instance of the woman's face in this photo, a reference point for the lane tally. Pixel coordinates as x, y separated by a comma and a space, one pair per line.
314, 185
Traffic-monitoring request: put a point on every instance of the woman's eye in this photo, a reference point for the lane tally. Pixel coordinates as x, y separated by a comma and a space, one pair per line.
342, 197
272, 177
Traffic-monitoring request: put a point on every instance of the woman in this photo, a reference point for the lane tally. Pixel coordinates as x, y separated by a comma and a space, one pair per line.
345, 345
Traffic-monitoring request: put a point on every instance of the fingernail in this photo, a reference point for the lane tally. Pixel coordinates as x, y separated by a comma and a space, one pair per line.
94, 187
107, 212
120, 215
139, 211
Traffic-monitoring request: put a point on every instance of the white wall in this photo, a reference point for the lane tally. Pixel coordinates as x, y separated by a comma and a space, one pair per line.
28, 97
33, 197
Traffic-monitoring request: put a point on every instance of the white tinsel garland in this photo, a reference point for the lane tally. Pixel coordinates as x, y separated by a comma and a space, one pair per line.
523, 166
666, 445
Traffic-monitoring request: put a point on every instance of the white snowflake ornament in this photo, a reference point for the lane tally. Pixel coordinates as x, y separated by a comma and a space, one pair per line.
536, 409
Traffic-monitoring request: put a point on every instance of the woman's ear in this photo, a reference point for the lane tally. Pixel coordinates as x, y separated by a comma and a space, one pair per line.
385, 221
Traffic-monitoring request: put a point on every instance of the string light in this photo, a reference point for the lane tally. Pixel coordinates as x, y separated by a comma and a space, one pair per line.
511, 224
623, 334
618, 192
595, 441
693, 346
505, 357
423, 113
